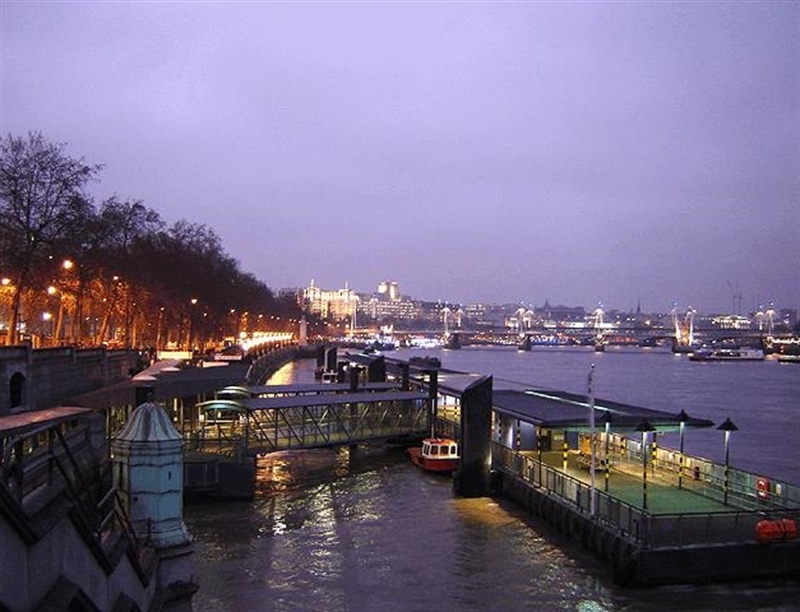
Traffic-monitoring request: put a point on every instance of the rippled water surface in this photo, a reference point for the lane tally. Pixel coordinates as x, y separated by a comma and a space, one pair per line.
329, 531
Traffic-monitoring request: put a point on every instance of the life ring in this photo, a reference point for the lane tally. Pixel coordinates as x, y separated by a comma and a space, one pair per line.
762, 488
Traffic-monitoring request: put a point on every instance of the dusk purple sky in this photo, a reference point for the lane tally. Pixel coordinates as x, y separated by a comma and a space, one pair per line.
484, 151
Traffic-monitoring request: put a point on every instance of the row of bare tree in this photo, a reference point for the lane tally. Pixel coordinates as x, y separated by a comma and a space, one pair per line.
75, 272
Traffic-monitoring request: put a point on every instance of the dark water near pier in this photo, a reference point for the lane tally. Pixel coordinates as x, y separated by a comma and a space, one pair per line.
328, 532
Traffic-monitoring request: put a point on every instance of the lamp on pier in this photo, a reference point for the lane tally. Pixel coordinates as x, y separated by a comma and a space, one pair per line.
727, 426
644, 428
606, 420
682, 418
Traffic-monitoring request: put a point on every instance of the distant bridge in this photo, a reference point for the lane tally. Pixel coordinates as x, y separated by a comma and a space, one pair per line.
577, 336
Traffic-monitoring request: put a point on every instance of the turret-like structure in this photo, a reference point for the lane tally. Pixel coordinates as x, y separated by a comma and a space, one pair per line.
148, 474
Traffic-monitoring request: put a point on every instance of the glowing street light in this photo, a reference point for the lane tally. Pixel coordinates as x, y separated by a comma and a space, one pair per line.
606, 420
682, 418
644, 427
727, 427
592, 466
47, 317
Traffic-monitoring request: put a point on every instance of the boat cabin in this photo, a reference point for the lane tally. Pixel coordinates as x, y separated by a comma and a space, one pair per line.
439, 448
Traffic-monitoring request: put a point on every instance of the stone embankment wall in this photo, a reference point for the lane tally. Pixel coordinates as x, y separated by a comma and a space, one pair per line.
266, 365
48, 377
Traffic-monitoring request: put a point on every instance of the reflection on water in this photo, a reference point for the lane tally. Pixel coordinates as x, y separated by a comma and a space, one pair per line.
378, 534
331, 531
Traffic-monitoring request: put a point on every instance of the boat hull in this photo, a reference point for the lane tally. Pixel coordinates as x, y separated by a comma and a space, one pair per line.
432, 465
728, 355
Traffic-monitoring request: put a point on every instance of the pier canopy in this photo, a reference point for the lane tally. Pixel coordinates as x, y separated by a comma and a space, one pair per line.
167, 380
28, 422
570, 412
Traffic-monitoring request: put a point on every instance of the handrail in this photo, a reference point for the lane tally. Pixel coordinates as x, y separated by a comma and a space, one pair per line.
646, 529
321, 424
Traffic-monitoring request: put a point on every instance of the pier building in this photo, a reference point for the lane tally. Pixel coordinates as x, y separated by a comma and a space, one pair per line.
593, 469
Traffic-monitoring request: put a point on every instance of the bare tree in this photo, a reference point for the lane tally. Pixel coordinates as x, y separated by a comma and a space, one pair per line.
41, 193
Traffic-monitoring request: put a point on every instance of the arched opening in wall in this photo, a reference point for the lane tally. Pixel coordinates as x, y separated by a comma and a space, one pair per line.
16, 390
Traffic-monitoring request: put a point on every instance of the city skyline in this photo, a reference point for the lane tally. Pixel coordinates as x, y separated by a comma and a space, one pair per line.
614, 152
679, 309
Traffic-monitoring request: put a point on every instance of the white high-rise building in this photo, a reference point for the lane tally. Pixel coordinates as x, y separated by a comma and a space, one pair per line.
390, 289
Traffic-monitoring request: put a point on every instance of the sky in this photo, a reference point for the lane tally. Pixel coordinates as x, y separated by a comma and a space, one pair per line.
621, 153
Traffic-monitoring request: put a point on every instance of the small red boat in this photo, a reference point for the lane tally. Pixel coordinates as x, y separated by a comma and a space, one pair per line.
436, 455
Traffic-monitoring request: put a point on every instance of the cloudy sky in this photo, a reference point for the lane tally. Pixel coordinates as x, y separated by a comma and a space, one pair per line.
470, 151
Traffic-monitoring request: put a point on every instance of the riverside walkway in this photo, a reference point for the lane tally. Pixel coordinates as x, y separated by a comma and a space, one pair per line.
624, 483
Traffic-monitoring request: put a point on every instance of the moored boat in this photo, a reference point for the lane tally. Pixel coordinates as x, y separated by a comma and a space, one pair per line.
436, 455
728, 354
425, 361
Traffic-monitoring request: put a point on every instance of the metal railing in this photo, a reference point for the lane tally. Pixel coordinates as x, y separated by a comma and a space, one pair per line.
57, 460
647, 529
268, 430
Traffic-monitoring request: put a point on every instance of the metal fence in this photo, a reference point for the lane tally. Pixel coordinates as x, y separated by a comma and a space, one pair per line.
646, 529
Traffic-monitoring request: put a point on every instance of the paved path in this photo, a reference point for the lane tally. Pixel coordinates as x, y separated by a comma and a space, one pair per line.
625, 483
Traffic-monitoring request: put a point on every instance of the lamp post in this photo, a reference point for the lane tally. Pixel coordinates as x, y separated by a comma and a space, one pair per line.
193, 303
593, 488
644, 427
727, 427
606, 419
47, 317
682, 418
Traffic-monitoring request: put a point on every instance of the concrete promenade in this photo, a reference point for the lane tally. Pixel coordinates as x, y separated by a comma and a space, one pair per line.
625, 483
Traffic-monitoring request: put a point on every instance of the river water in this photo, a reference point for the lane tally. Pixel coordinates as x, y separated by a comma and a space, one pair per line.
331, 532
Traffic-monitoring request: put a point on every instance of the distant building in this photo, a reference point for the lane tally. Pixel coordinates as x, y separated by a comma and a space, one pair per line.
390, 289
559, 314
336, 304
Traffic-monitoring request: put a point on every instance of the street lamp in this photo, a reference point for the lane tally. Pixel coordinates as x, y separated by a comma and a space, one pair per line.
644, 427
727, 427
47, 317
606, 420
682, 418
591, 442
193, 302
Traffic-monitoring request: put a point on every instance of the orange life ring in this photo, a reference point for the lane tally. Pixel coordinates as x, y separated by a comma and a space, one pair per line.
762, 488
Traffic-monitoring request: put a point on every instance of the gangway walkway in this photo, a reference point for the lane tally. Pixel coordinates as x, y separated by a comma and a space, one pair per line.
256, 424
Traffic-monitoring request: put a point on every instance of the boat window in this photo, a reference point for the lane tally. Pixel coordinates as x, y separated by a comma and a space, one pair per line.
434, 450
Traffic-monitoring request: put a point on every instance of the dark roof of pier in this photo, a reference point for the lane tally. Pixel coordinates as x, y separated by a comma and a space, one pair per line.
32, 420
562, 410
167, 381
458, 382
310, 388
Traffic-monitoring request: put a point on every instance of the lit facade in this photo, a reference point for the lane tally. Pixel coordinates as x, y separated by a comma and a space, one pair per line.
336, 304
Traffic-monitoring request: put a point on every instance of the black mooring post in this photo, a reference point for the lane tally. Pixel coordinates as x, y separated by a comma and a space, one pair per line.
354, 370
472, 479
404, 379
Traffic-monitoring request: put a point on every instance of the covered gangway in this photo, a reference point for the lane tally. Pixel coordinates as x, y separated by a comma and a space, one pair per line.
261, 424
